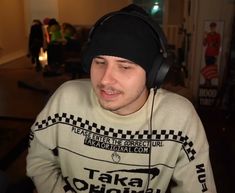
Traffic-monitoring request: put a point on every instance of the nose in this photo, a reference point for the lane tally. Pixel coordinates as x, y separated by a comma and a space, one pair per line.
108, 75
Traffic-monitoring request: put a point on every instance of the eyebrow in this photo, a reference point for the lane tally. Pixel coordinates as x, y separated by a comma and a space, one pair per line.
125, 61
118, 60
99, 57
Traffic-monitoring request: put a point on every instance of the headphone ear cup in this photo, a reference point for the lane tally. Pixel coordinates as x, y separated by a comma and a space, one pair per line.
161, 74
157, 74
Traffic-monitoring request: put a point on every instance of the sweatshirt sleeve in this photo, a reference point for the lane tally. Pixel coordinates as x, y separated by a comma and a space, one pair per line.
43, 168
43, 165
194, 174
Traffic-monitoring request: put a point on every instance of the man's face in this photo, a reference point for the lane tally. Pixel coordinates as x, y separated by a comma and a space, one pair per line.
119, 84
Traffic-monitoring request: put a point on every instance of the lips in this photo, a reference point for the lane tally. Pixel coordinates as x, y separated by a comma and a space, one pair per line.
109, 94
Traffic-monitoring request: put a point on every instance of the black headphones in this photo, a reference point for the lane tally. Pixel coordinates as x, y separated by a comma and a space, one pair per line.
161, 65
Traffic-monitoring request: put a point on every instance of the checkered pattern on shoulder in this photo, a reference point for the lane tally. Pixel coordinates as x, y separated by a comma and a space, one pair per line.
172, 135
161, 135
188, 148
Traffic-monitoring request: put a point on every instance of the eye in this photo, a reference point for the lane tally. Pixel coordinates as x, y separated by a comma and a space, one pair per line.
125, 66
99, 61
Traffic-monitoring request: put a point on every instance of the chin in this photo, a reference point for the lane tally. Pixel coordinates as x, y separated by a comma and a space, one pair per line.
108, 106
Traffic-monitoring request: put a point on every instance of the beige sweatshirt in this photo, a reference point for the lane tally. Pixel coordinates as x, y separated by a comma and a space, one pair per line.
77, 146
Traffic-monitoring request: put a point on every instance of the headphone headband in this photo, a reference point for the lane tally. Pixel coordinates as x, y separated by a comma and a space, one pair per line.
160, 38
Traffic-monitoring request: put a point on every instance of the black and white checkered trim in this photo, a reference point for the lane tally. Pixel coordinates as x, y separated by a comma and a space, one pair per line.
161, 135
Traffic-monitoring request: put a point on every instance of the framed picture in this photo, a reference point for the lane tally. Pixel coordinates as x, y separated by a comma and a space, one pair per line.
210, 62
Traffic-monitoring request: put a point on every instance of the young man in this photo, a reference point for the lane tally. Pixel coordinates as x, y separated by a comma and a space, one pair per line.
118, 133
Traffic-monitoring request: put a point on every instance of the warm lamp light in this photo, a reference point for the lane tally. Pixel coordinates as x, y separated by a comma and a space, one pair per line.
43, 57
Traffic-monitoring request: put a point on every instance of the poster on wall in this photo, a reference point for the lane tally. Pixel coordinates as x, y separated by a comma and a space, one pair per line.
210, 62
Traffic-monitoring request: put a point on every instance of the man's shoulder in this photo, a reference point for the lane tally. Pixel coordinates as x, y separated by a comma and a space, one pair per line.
173, 100
74, 88
73, 85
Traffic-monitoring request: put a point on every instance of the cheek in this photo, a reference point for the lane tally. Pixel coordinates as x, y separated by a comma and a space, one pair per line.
136, 80
94, 74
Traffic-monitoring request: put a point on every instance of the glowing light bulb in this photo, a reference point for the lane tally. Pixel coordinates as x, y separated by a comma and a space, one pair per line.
155, 8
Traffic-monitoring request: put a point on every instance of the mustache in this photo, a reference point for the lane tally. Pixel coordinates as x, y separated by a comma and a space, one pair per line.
108, 88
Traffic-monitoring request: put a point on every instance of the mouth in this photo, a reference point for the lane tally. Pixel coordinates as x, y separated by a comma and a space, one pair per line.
109, 94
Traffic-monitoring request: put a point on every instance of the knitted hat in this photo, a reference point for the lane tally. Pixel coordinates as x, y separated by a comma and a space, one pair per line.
125, 36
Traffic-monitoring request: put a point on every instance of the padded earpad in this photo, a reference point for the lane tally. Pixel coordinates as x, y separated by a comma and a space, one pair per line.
156, 76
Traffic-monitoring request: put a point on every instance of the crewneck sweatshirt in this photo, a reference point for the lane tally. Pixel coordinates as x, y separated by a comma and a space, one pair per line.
77, 146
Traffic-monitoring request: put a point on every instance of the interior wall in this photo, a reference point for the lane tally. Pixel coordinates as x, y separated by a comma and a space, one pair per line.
13, 41
176, 12
40, 10
43, 8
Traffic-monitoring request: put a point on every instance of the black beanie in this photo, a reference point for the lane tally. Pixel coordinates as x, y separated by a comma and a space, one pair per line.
125, 36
